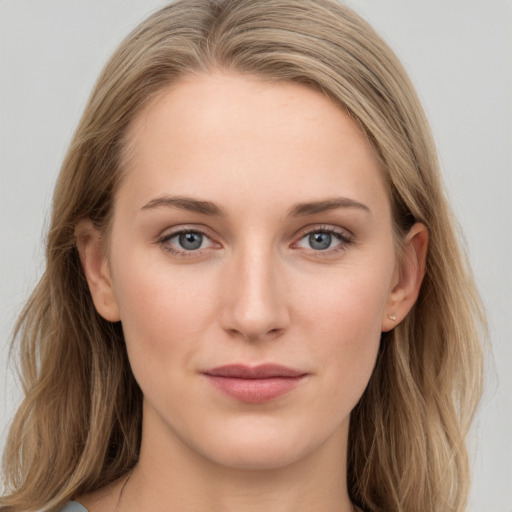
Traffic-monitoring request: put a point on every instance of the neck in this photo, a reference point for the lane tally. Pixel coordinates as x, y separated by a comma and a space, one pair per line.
171, 476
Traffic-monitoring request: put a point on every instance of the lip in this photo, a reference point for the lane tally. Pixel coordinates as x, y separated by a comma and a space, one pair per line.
254, 384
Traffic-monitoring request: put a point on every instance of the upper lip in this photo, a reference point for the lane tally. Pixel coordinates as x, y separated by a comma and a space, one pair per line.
262, 371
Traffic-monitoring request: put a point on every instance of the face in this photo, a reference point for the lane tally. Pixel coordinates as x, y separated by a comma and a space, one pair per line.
252, 229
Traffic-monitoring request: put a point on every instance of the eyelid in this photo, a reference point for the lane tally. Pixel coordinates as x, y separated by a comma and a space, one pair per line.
170, 233
344, 235
328, 228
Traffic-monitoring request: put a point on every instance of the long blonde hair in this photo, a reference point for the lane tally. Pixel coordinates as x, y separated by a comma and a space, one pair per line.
79, 425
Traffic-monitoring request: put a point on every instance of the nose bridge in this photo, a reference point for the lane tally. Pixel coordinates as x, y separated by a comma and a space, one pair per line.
256, 305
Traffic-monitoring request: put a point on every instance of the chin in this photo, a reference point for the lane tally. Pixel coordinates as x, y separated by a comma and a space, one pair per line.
258, 447
257, 457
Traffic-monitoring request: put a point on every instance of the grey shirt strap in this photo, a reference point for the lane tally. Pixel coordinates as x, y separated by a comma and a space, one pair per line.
74, 506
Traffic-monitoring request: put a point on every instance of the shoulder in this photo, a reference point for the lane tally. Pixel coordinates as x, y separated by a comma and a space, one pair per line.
103, 499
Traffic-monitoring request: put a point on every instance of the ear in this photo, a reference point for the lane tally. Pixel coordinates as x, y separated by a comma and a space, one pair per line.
408, 277
92, 253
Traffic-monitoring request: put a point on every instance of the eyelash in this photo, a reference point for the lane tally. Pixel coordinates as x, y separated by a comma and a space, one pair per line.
343, 236
163, 242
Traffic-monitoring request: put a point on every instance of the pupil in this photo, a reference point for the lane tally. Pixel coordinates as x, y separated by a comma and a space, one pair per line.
191, 241
320, 241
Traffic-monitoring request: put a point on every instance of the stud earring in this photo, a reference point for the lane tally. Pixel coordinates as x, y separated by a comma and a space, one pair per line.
392, 317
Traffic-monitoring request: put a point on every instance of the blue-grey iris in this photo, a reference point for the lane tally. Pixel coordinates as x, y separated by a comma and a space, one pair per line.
320, 241
190, 241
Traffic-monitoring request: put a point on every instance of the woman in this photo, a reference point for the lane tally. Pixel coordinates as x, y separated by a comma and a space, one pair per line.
254, 295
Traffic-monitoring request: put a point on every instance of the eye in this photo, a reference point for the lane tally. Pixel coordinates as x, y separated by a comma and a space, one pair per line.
320, 241
185, 241
324, 239
188, 241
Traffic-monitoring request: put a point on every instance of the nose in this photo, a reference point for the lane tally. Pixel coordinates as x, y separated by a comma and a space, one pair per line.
255, 301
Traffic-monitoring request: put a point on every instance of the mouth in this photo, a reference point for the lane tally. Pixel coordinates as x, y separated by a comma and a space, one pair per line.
254, 384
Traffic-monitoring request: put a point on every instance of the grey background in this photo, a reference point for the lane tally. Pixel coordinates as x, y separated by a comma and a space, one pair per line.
458, 54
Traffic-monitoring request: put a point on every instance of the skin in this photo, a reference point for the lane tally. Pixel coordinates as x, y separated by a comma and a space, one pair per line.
255, 292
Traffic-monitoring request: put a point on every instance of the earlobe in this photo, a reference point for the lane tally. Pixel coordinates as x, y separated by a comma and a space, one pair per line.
91, 249
409, 277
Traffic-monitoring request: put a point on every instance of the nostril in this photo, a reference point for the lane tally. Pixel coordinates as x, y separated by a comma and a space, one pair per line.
274, 333
255, 336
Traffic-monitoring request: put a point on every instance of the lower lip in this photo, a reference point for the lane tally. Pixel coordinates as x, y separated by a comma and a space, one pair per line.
255, 391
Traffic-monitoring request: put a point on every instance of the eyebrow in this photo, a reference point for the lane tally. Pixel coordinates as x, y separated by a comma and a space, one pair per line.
311, 208
210, 208
186, 203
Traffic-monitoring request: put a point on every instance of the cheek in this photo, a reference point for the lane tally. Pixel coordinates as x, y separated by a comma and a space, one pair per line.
164, 317
344, 322
350, 302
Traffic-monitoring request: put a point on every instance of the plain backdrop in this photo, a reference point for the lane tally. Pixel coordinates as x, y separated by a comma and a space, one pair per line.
459, 55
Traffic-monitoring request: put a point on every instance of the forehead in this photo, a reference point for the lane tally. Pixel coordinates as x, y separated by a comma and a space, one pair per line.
213, 134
